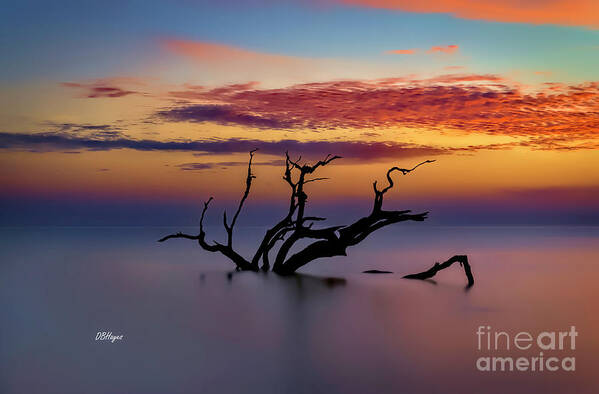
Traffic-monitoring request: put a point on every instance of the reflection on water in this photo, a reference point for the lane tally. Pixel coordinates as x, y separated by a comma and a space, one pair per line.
190, 327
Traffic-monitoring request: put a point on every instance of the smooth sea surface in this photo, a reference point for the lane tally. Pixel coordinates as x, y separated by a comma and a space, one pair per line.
188, 327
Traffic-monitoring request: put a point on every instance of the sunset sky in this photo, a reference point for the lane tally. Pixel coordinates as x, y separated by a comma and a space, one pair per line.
134, 112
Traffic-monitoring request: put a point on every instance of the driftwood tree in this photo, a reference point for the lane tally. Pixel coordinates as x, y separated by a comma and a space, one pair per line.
296, 225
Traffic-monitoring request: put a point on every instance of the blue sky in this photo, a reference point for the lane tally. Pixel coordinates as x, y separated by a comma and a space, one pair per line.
94, 39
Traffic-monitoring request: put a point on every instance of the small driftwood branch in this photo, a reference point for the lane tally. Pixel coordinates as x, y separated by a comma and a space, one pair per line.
377, 272
178, 235
462, 259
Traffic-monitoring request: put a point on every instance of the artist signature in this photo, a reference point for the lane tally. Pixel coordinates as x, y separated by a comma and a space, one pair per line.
108, 336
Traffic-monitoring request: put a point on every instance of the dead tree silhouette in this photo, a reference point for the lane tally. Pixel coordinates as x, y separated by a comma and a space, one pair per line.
296, 225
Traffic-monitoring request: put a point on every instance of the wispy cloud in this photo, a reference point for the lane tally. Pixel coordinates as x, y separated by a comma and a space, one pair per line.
401, 52
99, 89
352, 150
446, 49
561, 12
224, 164
87, 130
223, 114
221, 53
228, 63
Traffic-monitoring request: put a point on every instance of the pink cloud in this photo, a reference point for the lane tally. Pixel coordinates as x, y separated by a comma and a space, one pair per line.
453, 68
449, 49
402, 52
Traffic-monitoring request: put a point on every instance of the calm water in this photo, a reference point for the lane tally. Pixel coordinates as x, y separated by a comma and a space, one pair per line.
188, 329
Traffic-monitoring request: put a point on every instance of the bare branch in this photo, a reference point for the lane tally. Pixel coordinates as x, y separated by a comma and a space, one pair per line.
403, 172
301, 196
206, 203
315, 180
327, 160
248, 185
226, 250
379, 194
194, 237
462, 259
314, 218
294, 163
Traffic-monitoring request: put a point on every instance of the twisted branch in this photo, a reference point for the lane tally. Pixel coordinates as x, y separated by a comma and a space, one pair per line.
379, 194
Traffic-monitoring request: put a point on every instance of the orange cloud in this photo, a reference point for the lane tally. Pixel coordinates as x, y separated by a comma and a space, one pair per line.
402, 52
553, 118
219, 53
560, 12
449, 49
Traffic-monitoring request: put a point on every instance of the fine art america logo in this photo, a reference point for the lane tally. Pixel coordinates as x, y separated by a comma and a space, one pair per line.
493, 342
107, 336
